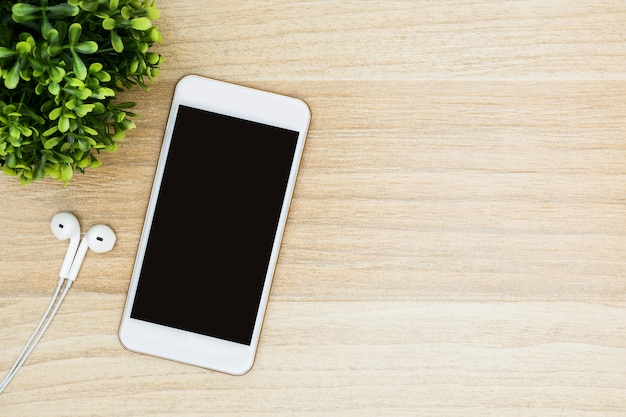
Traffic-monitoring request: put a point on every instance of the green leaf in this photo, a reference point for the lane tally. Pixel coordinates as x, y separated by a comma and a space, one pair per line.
66, 173
40, 169
84, 145
95, 67
125, 105
116, 42
84, 163
119, 135
134, 65
11, 160
52, 36
152, 58
91, 5
82, 93
54, 50
53, 171
36, 64
74, 82
153, 13
102, 76
128, 124
46, 27
108, 24
74, 32
79, 67
126, 12
22, 48
155, 36
52, 142
50, 131
87, 47
54, 88
71, 104
6, 52
99, 108
89, 130
64, 124
13, 77
102, 93
56, 113
22, 9
25, 131
8, 171
14, 133
141, 23
81, 111
63, 10
25, 74
56, 74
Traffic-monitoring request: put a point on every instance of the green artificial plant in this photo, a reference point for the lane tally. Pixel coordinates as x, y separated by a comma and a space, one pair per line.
61, 65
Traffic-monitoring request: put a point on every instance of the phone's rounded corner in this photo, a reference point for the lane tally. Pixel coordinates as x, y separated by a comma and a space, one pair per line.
122, 336
186, 79
242, 366
246, 368
306, 109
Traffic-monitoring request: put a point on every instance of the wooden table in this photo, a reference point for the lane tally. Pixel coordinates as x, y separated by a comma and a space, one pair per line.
455, 247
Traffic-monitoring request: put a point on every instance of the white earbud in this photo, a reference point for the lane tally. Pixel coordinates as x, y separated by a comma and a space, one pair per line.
99, 238
65, 226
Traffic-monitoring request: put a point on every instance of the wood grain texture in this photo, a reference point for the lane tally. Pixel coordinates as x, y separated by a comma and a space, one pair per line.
456, 241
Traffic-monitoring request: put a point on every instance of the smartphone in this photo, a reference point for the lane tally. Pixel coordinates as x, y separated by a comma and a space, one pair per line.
214, 223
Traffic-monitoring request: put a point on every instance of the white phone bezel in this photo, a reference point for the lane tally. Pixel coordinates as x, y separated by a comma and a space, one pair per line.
245, 103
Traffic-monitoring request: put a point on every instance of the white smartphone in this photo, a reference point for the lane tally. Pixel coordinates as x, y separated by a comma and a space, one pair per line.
214, 224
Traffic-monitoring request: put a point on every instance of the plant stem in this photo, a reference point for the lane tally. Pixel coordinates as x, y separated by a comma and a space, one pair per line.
19, 106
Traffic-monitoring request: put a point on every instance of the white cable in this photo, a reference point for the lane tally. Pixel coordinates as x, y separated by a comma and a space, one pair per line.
42, 326
43, 318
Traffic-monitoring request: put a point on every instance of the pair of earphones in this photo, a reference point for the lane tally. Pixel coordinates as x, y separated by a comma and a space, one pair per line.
64, 226
99, 238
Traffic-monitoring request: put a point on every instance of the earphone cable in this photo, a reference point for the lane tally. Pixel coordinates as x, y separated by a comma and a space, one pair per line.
35, 332
42, 326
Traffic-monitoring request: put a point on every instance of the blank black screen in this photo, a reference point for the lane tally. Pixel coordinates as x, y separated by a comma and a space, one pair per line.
214, 225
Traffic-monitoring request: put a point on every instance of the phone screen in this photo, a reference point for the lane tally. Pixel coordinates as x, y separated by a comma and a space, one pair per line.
214, 224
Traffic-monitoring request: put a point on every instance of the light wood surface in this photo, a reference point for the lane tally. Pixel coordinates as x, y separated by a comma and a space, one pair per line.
455, 247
